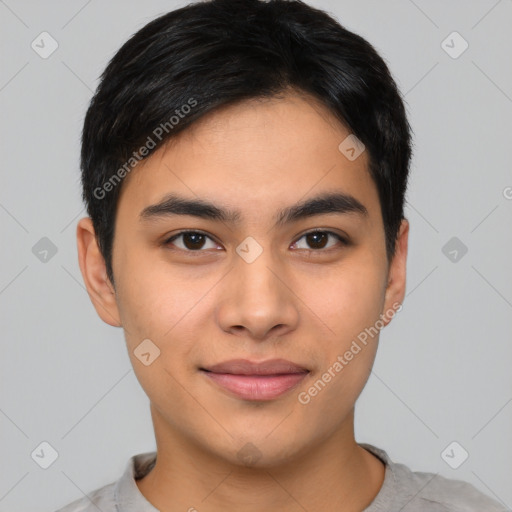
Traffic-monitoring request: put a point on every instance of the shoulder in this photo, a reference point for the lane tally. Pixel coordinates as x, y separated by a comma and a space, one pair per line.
416, 491
100, 499
431, 491
121, 495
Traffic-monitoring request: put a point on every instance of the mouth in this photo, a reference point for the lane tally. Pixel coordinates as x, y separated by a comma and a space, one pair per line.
249, 380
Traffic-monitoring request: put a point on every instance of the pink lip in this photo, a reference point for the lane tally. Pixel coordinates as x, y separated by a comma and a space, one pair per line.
256, 381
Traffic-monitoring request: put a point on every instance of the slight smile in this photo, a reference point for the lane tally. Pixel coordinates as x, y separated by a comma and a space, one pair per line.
256, 381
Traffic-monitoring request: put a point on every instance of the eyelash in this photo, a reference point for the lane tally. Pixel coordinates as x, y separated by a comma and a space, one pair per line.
341, 239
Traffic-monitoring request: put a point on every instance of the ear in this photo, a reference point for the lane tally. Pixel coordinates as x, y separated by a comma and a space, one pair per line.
395, 289
94, 272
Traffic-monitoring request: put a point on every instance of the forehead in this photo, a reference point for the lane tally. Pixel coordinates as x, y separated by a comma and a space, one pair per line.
255, 156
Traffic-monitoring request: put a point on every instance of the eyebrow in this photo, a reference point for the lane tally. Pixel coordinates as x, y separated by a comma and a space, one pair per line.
333, 202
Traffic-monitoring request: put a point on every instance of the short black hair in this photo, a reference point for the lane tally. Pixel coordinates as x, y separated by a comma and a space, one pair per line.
209, 54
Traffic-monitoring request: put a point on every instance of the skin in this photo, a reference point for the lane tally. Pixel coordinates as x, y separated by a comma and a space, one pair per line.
295, 301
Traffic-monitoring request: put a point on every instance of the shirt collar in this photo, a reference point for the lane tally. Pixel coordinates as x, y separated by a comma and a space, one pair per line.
386, 495
127, 495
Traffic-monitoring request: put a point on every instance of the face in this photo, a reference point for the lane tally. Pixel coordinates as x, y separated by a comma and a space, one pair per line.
254, 279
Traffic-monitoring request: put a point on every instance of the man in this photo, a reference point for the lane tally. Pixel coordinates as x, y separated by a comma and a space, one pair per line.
244, 166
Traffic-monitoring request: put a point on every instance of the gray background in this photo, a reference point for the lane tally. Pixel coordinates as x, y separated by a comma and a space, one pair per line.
443, 369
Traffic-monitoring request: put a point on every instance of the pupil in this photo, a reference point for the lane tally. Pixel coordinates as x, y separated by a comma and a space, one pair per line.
194, 237
313, 236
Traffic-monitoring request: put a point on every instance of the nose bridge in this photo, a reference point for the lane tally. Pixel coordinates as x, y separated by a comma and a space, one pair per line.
255, 296
254, 275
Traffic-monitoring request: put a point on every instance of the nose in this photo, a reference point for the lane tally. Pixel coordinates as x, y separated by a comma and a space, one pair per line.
257, 300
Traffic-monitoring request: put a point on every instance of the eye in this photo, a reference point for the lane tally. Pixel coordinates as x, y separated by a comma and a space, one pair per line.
318, 240
192, 241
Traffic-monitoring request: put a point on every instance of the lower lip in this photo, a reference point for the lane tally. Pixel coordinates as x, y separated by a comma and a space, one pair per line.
257, 387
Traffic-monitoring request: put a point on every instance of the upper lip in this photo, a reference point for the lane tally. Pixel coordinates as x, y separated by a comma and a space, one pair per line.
246, 367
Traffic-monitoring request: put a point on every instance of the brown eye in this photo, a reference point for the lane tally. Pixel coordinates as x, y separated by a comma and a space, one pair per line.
192, 241
318, 240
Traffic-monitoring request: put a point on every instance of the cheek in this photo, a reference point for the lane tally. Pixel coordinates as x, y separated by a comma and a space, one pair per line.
350, 300
168, 308
150, 298
350, 306
162, 310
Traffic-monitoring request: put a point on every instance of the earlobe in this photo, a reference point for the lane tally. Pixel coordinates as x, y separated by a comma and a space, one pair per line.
94, 273
395, 290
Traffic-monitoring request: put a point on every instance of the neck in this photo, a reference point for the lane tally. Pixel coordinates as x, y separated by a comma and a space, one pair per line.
336, 475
